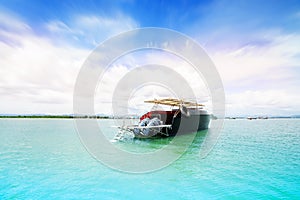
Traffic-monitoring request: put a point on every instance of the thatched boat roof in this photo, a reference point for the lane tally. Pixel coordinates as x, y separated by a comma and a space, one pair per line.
174, 102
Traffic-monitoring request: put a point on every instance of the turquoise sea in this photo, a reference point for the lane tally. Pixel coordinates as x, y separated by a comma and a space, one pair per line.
44, 159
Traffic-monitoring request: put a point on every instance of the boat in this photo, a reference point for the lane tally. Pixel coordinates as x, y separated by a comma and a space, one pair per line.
183, 117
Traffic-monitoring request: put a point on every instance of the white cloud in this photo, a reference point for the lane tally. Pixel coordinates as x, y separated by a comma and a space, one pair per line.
262, 77
263, 102
122, 66
251, 61
38, 73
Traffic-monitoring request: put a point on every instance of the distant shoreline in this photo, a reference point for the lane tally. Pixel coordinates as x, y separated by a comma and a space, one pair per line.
54, 117
112, 117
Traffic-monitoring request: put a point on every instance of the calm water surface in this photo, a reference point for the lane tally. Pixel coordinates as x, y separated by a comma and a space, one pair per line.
44, 159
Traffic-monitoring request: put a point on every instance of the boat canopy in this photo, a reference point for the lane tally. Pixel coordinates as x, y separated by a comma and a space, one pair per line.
174, 102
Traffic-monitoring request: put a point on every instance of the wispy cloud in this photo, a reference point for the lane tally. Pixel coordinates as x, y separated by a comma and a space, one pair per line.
12, 23
253, 61
90, 30
297, 15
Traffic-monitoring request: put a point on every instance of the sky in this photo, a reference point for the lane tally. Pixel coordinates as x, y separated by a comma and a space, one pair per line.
255, 46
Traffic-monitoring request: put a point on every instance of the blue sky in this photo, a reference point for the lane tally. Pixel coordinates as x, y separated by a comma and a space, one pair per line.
254, 44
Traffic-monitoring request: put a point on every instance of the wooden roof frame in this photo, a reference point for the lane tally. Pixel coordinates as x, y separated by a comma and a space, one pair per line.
174, 102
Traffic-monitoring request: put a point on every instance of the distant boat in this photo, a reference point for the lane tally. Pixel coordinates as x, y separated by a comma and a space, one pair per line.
262, 117
185, 118
251, 118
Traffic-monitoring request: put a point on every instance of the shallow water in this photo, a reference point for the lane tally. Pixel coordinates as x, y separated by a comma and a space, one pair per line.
44, 159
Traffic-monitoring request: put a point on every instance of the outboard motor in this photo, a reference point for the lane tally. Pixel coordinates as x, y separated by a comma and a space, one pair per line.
144, 122
152, 131
185, 111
